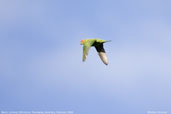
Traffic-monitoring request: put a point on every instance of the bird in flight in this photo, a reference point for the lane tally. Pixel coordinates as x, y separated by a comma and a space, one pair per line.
98, 44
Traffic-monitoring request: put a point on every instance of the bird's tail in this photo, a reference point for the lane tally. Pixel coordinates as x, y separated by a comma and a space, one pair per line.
108, 41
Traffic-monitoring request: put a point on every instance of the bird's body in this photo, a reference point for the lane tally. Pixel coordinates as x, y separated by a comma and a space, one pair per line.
98, 44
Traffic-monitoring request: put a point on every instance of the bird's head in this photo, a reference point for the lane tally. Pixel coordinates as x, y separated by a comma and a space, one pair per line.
82, 42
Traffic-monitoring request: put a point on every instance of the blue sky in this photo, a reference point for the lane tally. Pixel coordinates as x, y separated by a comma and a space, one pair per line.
41, 56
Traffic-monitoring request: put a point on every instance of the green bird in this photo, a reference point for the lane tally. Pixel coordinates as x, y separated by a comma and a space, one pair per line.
98, 44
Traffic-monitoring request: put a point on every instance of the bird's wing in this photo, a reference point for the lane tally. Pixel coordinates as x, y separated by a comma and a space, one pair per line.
102, 53
86, 49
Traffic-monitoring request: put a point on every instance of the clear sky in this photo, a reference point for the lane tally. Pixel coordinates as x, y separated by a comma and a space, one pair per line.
41, 64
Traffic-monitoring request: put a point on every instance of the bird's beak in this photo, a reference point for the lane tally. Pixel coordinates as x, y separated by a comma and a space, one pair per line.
81, 42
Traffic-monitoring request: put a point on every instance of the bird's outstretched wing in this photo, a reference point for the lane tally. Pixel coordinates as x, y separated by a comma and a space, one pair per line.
102, 53
86, 49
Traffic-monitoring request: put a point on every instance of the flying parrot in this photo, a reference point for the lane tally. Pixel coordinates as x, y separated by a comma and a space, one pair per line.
98, 44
